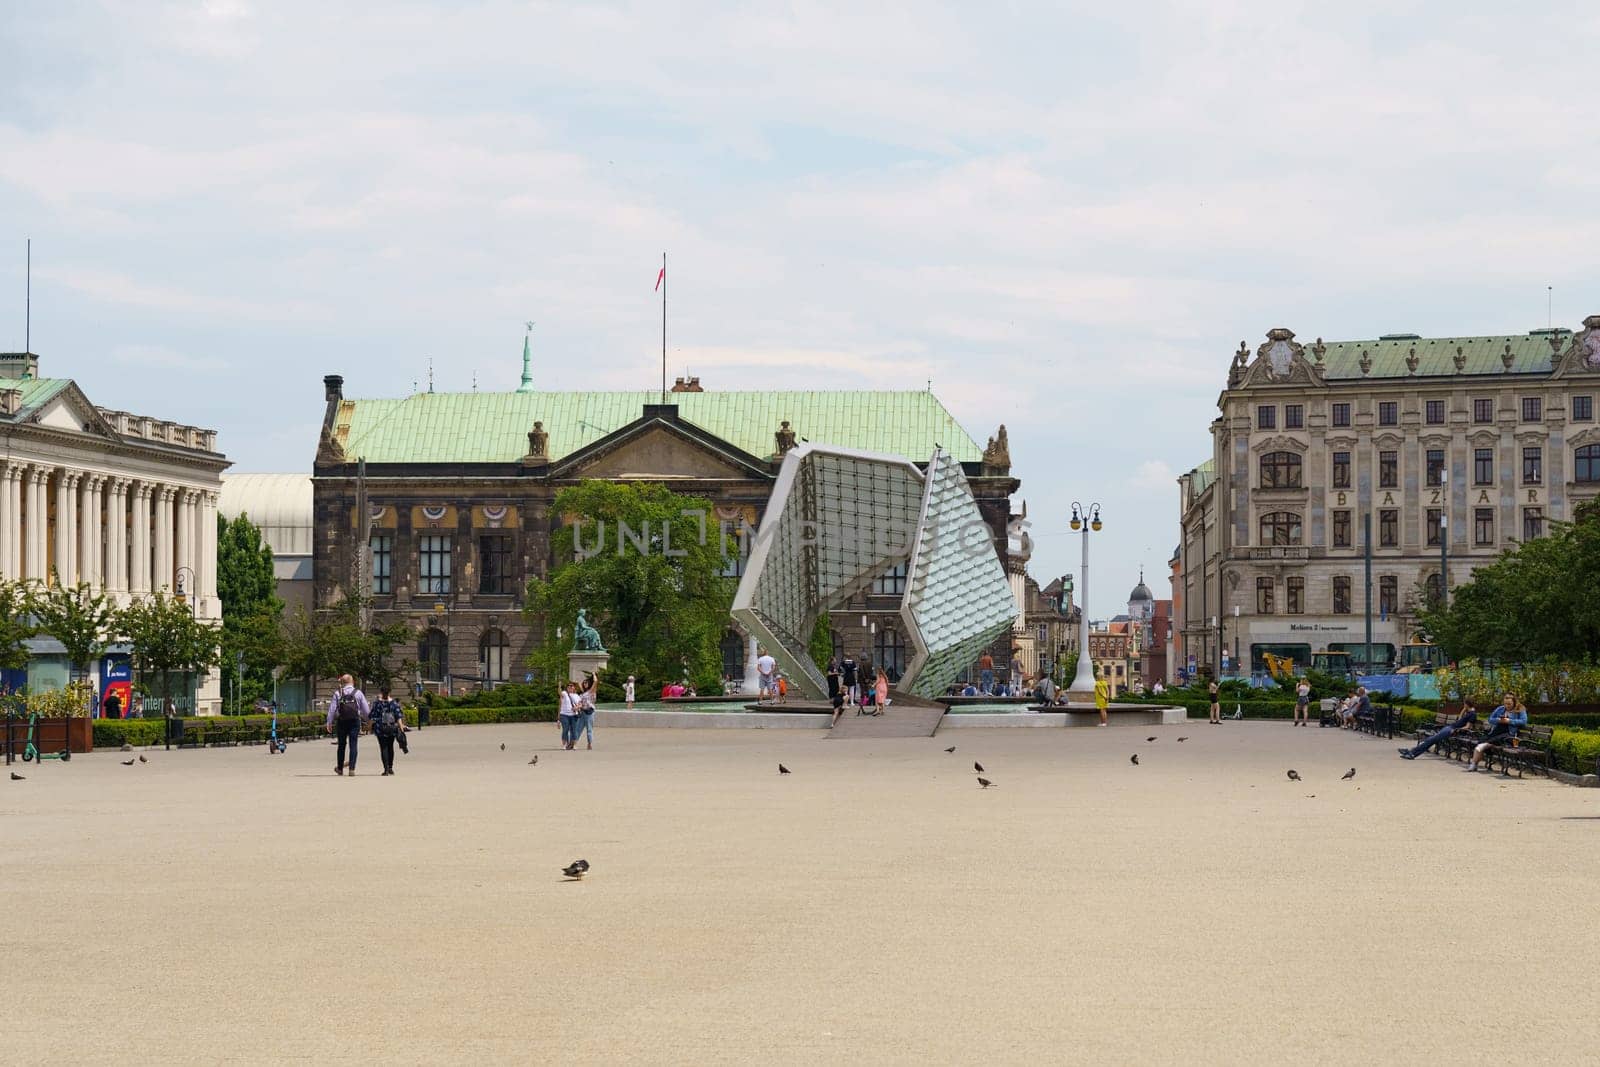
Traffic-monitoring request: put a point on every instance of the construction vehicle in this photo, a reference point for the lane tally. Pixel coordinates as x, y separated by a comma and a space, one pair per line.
1334, 663
1419, 657
1281, 668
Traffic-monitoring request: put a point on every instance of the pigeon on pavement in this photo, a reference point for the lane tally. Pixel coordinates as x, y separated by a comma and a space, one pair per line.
1351, 773
784, 770
127, 763
952, 748
142, 759
15, 777
1135, 759
977, 766
1294, 776
534, 760
1150, 739
985, 783
1182, 739
576, 870
502, 746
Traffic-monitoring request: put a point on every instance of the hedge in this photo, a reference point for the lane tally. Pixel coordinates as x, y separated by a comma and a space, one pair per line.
470, 716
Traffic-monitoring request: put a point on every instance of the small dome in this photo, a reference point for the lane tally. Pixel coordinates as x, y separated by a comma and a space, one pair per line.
1140, 592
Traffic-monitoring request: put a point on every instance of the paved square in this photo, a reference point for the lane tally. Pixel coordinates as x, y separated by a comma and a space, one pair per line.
873, 906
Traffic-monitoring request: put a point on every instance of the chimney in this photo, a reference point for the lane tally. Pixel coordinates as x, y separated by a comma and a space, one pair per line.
333, 387
687, 385
19, 365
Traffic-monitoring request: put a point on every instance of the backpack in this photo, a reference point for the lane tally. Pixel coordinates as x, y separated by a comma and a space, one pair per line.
384, 719
349, 710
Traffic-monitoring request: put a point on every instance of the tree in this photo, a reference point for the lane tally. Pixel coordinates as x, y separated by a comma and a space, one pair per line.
16, 625
649, 567
252, 614
1531, 604
821, 645
166, 639
78, 617
334, 642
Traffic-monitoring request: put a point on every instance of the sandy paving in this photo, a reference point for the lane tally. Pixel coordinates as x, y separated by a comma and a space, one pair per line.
875, 906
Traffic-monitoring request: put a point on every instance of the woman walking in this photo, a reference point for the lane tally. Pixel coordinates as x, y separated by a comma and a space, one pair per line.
585, 723
388, 724
880, 691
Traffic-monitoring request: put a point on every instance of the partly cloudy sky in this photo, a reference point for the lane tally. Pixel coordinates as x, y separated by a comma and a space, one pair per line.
1064, 215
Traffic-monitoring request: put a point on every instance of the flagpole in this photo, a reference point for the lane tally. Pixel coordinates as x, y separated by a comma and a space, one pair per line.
663, 327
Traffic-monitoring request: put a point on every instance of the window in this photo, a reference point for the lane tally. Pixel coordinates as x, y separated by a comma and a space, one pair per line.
434, 553
1264, 596
1295, 601
1532, 465
1532, 523
1430, 526
1433, 412
891, 582
1586, 463
732, 649
1483, 526
1341, 414
1583, 409
1388, 528
494, 561
1341, 470
1266, 417
1280, 528
1388, 470
1532, 408
889, 652
433, 652
1433, 587
1294, 416
1341, 529
1482, 466
1280, 470
1435, 466
1388, 413
494, 657
1388, 594
1483, 410
1341, 594
382, 564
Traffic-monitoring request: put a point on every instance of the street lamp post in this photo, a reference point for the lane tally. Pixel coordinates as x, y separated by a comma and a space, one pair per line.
1444, 560
187, 592
1082, 689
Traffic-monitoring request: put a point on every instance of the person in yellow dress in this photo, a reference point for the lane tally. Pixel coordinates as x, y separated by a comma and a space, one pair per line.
1102, 695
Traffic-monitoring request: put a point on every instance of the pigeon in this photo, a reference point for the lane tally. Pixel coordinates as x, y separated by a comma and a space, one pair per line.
142, 759
127, 763
1149, 739
534, 760
977, 766
952, 748
502, 746
1294, 776
1351, 773
983, 782
15, 777
1135, 759
784, 770
576, 870
1181, 740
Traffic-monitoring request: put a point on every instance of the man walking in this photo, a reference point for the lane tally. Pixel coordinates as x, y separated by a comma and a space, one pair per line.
388, 724
348, 709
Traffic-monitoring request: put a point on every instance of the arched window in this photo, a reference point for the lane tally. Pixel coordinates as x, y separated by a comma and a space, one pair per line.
1586, 464
732, 655
1280, 528
433, 651
494, 657
1433, 589
1280, 470
889, 652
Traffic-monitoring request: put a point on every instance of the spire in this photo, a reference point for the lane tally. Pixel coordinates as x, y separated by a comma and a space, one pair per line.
527, 363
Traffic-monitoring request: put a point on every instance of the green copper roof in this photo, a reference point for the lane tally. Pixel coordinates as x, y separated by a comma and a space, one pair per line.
1203, 475
493, 427
35, 391
1530, 354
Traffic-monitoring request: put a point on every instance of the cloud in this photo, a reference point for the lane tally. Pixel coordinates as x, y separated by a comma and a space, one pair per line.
147, 357
1155, 476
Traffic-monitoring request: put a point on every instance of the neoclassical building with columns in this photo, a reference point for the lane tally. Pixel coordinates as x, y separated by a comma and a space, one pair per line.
125, 503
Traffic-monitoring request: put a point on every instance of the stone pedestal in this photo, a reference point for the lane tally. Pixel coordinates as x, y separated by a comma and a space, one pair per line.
582, 663
1078, 698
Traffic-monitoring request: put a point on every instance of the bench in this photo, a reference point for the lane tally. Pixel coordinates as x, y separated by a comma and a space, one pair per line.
1381, 720
1528, 750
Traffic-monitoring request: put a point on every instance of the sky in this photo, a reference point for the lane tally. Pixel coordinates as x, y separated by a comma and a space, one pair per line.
1065, 216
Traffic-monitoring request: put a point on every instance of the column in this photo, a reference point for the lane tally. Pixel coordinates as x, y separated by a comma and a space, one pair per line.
185, 556
165, 567
208, 550
33, 564
65, 562
10, 524
139, 579
116, 573
88, 527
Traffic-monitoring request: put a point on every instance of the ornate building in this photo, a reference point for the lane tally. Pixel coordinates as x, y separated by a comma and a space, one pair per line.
1477, 441
458, 490
124, 503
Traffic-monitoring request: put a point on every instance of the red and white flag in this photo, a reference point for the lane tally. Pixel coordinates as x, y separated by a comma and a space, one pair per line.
662, 276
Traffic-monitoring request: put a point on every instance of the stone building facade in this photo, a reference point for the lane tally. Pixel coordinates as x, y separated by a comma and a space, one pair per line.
124, 503
1480, 440
459, 490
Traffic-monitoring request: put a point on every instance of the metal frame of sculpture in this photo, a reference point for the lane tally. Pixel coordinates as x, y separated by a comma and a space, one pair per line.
837, 519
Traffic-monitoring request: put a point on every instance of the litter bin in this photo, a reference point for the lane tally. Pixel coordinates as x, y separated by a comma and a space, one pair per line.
174, 731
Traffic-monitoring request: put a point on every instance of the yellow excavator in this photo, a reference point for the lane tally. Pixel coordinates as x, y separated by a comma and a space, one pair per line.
1280, 667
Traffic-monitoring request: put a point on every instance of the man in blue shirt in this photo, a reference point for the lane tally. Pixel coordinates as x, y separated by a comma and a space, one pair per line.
1469, 715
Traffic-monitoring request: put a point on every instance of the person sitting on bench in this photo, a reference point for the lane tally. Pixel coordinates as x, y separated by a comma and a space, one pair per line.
1469, 715
1504, 722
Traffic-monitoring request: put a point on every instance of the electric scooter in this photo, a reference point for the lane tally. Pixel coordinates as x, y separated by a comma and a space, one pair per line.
30, 751
275, 745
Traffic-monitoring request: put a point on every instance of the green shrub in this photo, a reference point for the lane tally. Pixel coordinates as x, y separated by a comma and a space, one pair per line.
458, 716
1575, 751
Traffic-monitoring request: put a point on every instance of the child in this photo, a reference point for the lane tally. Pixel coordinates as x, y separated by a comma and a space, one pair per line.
627, 691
